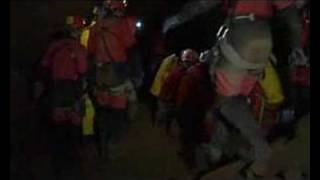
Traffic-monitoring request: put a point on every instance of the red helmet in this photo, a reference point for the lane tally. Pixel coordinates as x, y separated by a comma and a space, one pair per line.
116, 4
76, 21
189, 55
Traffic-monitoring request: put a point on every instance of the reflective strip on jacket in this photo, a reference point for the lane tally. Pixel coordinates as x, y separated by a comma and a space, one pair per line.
117, 97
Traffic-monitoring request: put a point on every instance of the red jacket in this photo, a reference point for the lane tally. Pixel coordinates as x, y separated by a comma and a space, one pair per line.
170, 86
119, 37
194, 91
65, 59
305, 36
261, 8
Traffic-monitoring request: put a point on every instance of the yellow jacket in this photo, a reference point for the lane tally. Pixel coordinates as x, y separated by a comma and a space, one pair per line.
165, 67
85, 35
88, 119
271, 86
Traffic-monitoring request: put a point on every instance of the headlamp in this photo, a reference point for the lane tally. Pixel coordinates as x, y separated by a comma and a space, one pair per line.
139, 24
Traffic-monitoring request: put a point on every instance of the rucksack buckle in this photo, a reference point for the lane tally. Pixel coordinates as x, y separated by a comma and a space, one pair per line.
250, 16
222, 32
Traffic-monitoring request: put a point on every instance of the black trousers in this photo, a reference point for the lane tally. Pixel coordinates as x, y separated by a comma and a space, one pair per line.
110, 125
65, 146
190, 124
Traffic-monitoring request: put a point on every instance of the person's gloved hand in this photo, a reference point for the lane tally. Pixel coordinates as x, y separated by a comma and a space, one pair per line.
299, 68
170, 23
287, 116
298, 57
204, 56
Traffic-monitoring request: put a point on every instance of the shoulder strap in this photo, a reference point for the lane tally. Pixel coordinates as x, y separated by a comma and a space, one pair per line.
231, 5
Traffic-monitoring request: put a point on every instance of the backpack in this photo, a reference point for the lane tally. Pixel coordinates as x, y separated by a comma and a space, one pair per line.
62, 62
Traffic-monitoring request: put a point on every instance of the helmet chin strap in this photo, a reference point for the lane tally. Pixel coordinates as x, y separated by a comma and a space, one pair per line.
231, 55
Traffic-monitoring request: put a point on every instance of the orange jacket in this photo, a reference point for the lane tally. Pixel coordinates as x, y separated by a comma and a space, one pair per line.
119, 36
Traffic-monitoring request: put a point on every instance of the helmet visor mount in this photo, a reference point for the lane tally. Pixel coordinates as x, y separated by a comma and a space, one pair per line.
116, 7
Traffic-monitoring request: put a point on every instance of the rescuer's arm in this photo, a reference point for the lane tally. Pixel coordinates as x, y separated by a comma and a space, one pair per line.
189, 11
294, 24
291, 18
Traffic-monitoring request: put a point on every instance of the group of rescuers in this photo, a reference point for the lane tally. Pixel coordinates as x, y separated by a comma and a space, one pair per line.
225, 100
